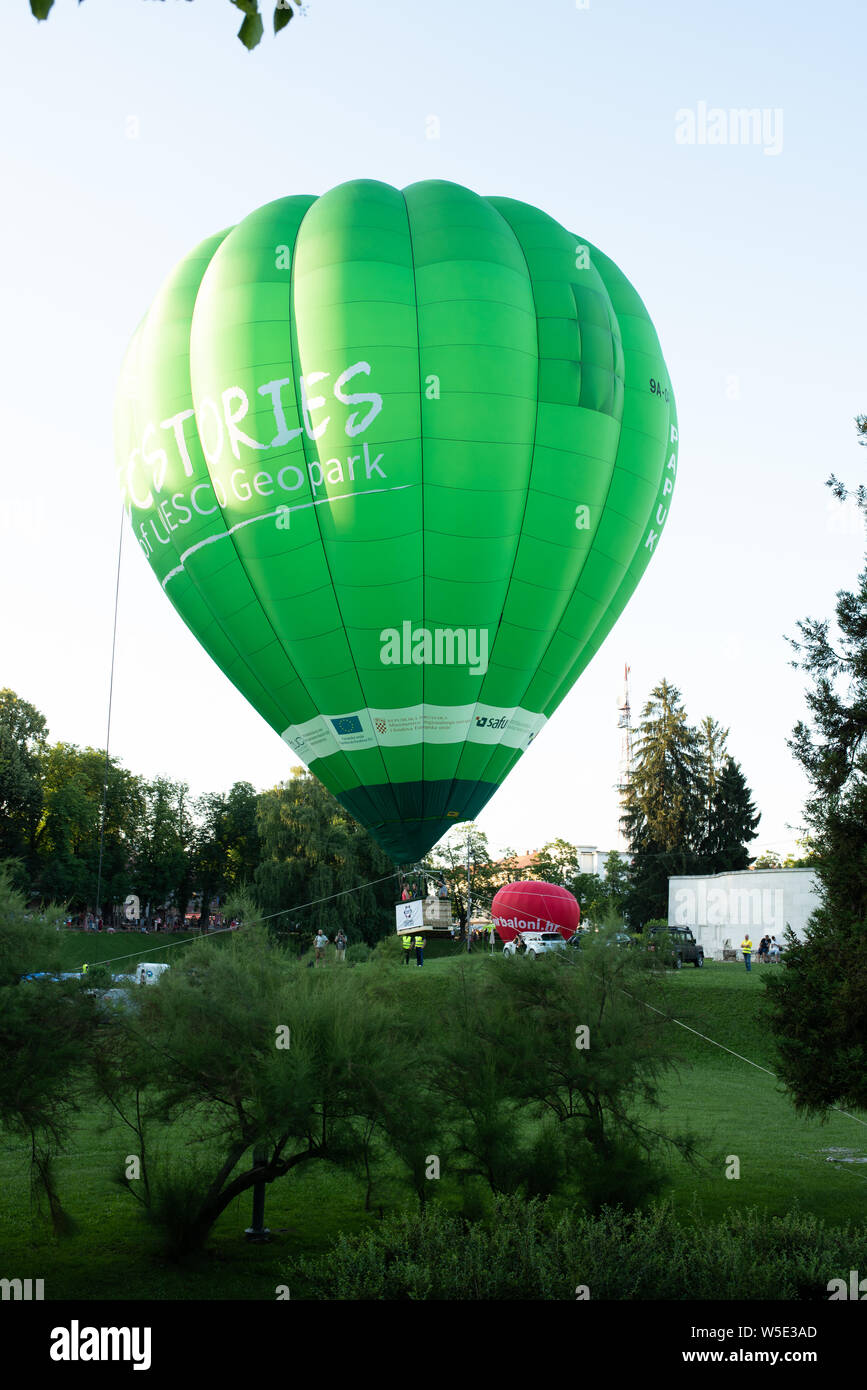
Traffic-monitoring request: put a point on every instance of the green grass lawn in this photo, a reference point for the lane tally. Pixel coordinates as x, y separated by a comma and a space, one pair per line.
734, 1108
742, 1111
124, 949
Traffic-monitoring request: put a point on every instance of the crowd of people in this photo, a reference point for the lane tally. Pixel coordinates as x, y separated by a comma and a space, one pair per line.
89, 921
428, 889
770, 950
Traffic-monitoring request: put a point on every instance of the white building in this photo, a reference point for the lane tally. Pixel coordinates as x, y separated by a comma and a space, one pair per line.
592, 860
720, 907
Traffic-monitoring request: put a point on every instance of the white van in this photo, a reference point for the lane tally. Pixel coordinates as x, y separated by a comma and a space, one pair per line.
148, 972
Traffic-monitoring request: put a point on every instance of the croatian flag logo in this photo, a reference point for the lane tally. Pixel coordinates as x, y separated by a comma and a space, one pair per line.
350, 725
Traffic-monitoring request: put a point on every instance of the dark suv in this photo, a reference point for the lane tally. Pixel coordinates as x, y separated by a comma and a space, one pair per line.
683, 947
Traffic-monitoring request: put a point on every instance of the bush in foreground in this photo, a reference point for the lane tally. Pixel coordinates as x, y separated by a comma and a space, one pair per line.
524, 1252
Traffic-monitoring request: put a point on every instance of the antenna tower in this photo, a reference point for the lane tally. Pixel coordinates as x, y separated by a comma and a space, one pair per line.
624, 724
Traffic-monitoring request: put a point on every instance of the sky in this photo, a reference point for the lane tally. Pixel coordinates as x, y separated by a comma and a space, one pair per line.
134, 129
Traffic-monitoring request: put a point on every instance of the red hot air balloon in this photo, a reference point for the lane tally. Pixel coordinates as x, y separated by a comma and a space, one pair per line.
534, 906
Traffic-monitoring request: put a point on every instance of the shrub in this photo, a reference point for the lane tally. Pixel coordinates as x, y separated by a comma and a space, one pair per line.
525, 1252
98, 977
390, 948
174, 1207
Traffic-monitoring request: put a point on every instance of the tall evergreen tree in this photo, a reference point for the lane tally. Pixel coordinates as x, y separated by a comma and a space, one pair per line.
662, 803
732, 821
711, 741
820, 996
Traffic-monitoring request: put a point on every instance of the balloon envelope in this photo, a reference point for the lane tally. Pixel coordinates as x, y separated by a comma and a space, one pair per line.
534, 906
398, 459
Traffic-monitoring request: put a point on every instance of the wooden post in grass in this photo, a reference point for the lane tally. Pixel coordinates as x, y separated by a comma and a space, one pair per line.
257, 1231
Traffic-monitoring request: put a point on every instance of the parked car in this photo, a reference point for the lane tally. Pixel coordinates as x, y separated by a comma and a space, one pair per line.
620, 938
534, 943
683, 946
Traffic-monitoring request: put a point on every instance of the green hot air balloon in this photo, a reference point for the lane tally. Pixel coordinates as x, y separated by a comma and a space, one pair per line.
398, 459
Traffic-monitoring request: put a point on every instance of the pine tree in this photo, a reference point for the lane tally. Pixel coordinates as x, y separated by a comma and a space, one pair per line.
711, 746
662, 803
820, 996
732, 821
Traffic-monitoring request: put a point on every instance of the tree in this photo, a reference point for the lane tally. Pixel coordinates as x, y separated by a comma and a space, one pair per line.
252, 27
313, 851
272, 1060
820, 995
711, 753
22, 746
662, 802
67, 841
556, 862
732, 821
449, 859
45, 1027
570, 1045
472, 1070
687, 806
226, 853
589, 889
806, 859
162, 863
769, 860
615, 889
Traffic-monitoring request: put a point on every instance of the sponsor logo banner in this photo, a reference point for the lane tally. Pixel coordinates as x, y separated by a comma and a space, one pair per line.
400, 728
408, 916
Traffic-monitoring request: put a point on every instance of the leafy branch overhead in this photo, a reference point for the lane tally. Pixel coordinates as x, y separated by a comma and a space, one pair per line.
252, 27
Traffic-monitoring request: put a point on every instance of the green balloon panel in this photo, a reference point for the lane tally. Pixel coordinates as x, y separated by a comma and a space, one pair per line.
398, 459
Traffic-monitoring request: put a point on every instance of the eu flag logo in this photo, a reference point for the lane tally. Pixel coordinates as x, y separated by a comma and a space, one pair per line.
350, 725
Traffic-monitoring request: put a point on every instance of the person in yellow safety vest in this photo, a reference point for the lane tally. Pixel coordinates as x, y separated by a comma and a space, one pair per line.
747, 948
419, 950
406, 942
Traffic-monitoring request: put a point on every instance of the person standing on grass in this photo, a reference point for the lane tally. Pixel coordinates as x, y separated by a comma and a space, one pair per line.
340, 945
747, 948
419, 950
406, 941
320, 941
